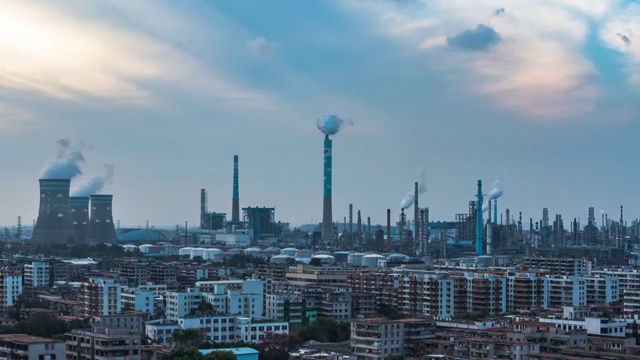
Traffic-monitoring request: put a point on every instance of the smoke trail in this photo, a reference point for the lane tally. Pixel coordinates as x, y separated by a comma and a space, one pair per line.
496, 192
330, 124
95, 183
485, 207
410, 197
66, 164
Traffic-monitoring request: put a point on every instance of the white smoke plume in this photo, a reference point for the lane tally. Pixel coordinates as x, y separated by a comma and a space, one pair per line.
66, 164
330, 124
409, 198
496, 192
94, 184
485, 207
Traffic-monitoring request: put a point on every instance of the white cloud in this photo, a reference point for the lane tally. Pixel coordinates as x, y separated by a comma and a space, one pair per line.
53, 49
12, 119
625, 22
538, 68
261, 47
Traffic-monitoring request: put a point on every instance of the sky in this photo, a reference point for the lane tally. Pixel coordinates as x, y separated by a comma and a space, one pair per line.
539, 94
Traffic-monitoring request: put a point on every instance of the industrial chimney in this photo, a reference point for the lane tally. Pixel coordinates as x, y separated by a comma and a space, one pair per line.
327, 216
416, 215
54, 217
235, 206
101, 227
479, 222
80, 216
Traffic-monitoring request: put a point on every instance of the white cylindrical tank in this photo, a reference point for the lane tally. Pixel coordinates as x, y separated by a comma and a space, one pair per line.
355, 259
252, 251
303, 253
197, 252
131, 247
397, 258
234, 251
185, 251
272, 250
371, 260
341, 256
288, 251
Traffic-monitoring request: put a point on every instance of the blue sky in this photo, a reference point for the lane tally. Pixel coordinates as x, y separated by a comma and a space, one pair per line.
541, 95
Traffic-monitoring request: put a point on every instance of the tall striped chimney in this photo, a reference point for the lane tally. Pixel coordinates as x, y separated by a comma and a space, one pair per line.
479, 222
235, 206
54, 216
80, 216
101, 227
327, 216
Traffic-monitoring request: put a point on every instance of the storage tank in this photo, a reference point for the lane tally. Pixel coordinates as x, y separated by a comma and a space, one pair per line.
371, 260
325, 259
397, 258
185, 251
252, 251
197, 252
234, 251
288, 251
355, 259
272, 250
145, 248
303, 253
341, 257
130, 248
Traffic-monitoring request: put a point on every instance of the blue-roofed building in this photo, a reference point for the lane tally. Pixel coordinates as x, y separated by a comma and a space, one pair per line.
141, 235
240, 353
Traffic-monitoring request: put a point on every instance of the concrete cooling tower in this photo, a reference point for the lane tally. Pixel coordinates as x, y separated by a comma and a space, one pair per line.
54, 222
80, 216
101, 227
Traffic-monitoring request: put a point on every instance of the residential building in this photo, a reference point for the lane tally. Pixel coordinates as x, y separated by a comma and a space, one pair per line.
135, 271
29, 347
10, 287
565, 291
562, 266
214, 328
235, 297
139, 300
180, 304
254, 331
375, 339
318, 275
291, 308
164, 273
103, 342
101, 297
36, 274
131, 320
602, 290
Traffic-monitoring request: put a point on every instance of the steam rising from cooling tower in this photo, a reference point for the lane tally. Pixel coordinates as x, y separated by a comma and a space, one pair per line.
66, 163
95, 183
409, 198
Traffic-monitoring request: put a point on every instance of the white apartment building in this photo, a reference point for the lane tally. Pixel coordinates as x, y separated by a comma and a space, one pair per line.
602, 290
565, 291
375, 339
101, 297
180, 304
27, 347
216, 328
236, 297
139, 300
36, 275
628, 278
254, 332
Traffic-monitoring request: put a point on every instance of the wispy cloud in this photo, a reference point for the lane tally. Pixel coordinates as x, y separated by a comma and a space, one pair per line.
12, 119
261, 47
620, 32
526, 56
53, 49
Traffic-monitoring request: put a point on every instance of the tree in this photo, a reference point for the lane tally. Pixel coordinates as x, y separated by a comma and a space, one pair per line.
278, 346
325, 330
182, 353
315, 262
187, 338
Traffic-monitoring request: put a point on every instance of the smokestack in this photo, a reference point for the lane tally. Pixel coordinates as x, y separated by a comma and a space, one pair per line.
101, 227
54, 222
359, 239
388, 229
479, 222
235, 204
416, 215
80, 216
351, 237
327, 216
368, 232
576, 241
495, 211
203, 208
489, 236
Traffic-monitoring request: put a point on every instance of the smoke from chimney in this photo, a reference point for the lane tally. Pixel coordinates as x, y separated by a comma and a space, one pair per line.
66, 163
95, 183
409, 198
330, 124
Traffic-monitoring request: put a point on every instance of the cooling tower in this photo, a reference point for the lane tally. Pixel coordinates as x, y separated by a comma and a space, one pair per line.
80, 216
54, 218
235, 205
101, 227
327, 216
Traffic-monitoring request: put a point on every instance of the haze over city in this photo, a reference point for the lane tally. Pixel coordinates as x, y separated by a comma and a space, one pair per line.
539, 95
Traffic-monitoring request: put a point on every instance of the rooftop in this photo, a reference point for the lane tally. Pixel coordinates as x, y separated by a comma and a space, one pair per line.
235, 351
27, 339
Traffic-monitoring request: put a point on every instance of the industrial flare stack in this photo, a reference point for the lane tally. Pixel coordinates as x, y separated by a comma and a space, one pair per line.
101, 228
80, 216
327, 211
54, 222
235, 205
